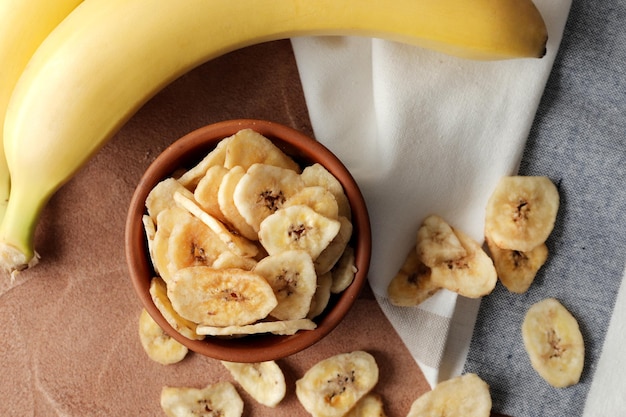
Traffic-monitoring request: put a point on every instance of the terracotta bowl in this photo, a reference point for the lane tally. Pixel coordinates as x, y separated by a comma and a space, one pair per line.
187, 151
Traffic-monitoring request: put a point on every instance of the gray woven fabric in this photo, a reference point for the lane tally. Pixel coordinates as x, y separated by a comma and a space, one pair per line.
578, 140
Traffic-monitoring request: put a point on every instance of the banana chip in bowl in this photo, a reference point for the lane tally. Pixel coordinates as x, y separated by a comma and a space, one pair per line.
256, 235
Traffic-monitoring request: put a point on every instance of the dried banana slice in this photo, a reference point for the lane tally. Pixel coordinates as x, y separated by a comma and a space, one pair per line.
297, 227
322, 295
150, 229
225, 199
235, 243
473, 275
262, 190
192, 243
291, 275
316, 174
158, 292
264, 381
517, 270
554, 343
228, 259
160, 260
206, 192
159, 346
219, 399
334, 385
521, 212
371, 405
161, 197
462, 396
217, 156
344, 271
437, 243
329, 256
167, 220
412, 284
248, 147
220, 297
279, 327
318, 198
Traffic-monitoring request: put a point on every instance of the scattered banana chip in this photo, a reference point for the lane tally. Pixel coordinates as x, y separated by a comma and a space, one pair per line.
412, 284
371, 405
554, 343
437, 243
521, 212
279, 327
473, 275
455, 262
248, 147
220, 297
333, 386
159, 346
158, 292
292, 276
297, 227
264, 381
219, 399
462, 396
517, 270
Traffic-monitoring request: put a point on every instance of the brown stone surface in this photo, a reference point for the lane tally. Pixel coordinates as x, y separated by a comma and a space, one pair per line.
68, 341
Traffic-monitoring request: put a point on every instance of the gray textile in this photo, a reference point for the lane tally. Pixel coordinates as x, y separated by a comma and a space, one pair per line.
578, 140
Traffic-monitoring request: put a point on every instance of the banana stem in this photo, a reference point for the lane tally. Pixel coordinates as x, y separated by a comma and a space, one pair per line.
17, 230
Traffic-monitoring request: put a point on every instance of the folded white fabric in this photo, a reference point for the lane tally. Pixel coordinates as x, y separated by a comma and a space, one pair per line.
423, 133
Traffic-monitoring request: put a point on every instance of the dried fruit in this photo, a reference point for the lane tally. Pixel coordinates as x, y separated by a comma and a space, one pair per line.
158, 345
521, 212
516, 269
463, 396
264, 381
331, 387
412, 285
220, 297
219, 399
291, 275
473, 275
554, 343
437, 243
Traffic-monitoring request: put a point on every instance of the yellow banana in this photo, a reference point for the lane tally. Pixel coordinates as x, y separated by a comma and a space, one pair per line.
104, 61
24, 24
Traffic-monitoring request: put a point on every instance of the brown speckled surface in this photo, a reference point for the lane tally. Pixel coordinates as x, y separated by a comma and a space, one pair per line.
69, 343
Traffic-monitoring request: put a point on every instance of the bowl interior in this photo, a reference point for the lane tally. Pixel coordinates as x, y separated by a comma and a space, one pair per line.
189, 150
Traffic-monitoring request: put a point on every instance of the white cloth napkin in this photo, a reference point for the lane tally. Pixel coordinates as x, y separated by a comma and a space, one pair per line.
423, 133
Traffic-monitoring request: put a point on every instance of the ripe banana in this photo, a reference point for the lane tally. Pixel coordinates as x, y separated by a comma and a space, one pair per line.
104, 61
24, 24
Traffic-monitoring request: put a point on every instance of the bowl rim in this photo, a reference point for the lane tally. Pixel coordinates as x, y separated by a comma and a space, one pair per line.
267, 347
